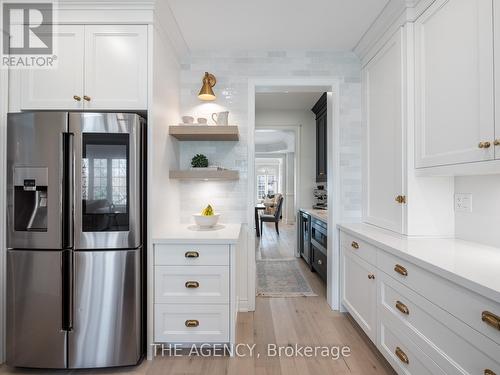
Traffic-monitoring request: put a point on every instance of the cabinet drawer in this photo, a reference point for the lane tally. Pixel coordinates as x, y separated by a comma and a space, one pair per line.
191, 255
458, 301
318, 262
358, 247
404, 356
452, 344
210, 323
202, 284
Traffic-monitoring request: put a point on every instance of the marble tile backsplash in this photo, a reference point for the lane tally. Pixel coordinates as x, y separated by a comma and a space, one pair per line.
233, 69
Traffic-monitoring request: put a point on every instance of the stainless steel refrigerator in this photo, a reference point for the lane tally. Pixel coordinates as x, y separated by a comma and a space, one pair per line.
75, 235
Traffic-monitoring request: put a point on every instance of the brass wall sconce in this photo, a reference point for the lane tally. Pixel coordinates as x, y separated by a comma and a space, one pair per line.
206, 92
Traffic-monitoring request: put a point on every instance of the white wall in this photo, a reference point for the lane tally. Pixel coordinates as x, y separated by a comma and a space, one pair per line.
482, 224
233, 69
307, 162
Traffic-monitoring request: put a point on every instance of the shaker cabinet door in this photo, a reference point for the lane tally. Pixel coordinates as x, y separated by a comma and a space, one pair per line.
359, 292
383, 153
116, 67
61, 86
454, 114
496, 21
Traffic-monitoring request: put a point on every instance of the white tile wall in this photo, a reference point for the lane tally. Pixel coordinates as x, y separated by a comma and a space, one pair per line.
233, 69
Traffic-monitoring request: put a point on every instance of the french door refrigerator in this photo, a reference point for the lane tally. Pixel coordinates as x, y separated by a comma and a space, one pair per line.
74, 239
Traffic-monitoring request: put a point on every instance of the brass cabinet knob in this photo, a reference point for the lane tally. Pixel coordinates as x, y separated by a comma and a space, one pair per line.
401, 270
192, 254
87, 98
355, 245
491, 319
497, 142
192, 323
192, 284
402, 355
402, 307
484, 145
489, 372
401, 199
77, 98
371, 276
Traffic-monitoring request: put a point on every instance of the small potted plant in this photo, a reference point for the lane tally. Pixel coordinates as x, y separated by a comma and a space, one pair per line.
199, 161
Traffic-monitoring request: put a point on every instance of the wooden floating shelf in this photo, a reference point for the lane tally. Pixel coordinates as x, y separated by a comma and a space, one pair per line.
204, 132
205, 174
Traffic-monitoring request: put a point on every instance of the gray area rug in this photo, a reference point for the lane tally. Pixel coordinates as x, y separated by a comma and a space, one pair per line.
281, 278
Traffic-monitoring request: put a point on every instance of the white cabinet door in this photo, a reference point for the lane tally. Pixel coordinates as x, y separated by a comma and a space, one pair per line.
55, 88
116, 67
359, 292
383, 154
496, 20
454, 83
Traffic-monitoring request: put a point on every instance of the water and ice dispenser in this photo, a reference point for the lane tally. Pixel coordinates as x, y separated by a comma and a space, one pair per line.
30, 199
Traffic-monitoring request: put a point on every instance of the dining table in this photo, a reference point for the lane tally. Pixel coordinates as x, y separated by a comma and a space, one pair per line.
258, 207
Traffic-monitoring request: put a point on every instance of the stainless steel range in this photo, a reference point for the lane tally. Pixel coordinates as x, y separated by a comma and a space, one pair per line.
75, 237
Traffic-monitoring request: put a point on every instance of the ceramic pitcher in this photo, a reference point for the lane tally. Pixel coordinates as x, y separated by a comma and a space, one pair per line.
220, 118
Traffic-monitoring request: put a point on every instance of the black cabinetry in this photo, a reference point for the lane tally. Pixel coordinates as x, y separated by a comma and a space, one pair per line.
304, 236
320, 111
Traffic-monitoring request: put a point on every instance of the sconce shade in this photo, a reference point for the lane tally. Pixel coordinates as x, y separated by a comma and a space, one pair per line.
206, 92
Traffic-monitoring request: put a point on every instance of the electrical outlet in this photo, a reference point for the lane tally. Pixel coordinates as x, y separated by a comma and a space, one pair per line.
463, 202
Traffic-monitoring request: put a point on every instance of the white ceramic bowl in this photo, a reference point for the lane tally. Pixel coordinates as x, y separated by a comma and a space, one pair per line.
206, 221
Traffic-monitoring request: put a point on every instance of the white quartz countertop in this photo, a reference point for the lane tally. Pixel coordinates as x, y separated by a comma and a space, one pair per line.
318, 214
469, 264
189, 233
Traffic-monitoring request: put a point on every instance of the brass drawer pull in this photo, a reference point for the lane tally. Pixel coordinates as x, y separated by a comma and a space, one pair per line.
484, 145
77, 98
401, 199
489, 372
371, 276
491, 319
192, 254
402, 307
192, 284
496, 143
86, 98
401, 270
402, 355
192, 323
355, 245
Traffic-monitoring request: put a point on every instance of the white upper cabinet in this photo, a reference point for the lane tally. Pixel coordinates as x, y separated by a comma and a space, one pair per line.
62, 86
99, 67
116, 67
454, 86
496, 10
383, 158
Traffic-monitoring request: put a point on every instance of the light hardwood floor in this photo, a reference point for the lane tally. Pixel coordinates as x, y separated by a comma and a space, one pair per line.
281, 321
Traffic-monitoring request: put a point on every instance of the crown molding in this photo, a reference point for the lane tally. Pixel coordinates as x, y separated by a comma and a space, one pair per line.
166, 24
395, 14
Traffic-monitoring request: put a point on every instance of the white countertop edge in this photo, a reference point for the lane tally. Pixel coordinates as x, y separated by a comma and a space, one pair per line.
181, 234
451, 276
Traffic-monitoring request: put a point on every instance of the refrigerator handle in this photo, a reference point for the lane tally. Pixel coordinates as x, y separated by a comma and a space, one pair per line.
67, 290
68, 190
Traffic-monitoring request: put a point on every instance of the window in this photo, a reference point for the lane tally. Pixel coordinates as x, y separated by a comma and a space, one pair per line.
266, 185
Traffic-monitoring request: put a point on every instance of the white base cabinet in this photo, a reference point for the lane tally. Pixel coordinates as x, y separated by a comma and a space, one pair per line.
194, 294
421, 322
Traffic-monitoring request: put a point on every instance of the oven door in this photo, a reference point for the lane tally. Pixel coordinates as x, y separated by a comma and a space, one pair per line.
107, 193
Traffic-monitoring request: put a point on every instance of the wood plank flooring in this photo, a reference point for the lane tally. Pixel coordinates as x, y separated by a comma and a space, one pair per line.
281, 321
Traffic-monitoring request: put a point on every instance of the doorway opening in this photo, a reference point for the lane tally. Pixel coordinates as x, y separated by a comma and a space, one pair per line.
290, 149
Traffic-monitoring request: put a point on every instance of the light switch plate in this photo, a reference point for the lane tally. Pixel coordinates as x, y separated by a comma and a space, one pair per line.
463, 202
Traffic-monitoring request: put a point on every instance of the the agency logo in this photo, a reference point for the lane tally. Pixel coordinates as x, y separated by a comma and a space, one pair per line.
28, 35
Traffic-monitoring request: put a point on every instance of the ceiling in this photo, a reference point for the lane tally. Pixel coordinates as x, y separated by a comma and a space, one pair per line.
274, 24
288, 101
